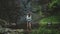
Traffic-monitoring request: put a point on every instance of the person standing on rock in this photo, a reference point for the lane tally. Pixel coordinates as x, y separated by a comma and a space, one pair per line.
29, 19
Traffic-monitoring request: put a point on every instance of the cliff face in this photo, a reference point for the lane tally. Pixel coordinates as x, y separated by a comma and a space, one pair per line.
13, 10
8, 10
16, 10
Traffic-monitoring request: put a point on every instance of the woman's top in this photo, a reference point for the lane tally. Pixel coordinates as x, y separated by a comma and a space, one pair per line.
28, 18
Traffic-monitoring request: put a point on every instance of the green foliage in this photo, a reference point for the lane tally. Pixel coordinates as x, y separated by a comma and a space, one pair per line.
46, 31
53, 19
52, 3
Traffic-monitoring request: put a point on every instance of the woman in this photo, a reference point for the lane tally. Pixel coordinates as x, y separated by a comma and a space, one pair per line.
29, 19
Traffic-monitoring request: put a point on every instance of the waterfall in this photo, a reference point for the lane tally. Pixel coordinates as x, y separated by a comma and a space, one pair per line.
25, 7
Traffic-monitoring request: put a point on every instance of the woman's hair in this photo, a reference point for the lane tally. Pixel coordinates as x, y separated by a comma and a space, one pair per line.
28, 14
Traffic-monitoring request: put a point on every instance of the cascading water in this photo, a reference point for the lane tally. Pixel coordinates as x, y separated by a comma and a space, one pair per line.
25, 7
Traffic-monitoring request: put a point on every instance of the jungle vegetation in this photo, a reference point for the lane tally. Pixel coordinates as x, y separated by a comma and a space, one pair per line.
47, 12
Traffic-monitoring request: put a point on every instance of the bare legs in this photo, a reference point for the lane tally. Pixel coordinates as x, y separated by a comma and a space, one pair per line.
28, 27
